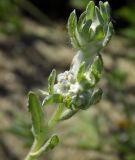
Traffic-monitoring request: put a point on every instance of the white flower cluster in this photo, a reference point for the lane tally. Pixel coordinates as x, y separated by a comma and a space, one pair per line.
78, 91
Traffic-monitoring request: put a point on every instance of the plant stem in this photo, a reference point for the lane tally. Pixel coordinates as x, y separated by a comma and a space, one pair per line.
29, 157
56, 116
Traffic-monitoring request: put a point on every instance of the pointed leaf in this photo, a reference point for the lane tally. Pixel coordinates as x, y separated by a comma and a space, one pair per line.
50, 144
72, 25
51, 81
98, 15
72, 22
85, 30
99, 33
81, 21
90, 10
91, 34
55, 98
107, 7
96, 97
109, 34
97, 67
67, 114
103, 11
81, 70
38, 124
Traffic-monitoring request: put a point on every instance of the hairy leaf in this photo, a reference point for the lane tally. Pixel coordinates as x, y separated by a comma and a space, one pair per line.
38, 125
72, 26
96, 97
50, 144
67, 114
81, 20
81, 70
90, 10
55, 98
51, 81
109, 34
98, 15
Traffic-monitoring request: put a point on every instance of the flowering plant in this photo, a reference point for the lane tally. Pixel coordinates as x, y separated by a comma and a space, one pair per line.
75, 89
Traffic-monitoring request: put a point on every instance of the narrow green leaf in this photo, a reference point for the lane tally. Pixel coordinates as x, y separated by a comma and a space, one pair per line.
38, 124
97, 67
81, 70
85, 30
72, 26
98, 15
55, 98
96, 97
50, 144
90, 10
72, 21
53, 141
81, 20
91, 34
98, 63
99, 33
103, 11
107, 7
67, 114
109, 34
51, 81
92, 80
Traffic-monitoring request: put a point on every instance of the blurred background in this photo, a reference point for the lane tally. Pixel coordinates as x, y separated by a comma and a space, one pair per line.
33, 41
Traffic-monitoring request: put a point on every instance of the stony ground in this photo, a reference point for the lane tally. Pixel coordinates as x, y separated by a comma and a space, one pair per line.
25, 63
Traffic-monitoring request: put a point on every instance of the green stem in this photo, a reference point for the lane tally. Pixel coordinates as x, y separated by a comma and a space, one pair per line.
33, 148
29, 157
56, 116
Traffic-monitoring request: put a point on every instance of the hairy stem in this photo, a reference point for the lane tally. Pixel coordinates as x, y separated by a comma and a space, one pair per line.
56, 115
29, 157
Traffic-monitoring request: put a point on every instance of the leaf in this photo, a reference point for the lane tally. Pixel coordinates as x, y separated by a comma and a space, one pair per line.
72, 25
99, 33
81, 21
107, 7
38, 124
109, 34
50, 144
98, 15
97, 67
72, 22
90, 10
103, 11
67, 114
96, 97
85, 30
81, 70
55, 98
91, 34
51, 81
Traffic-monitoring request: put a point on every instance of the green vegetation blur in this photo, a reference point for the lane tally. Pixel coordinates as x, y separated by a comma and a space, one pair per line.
9, 17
